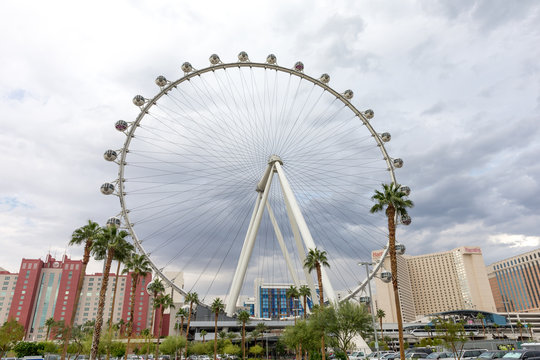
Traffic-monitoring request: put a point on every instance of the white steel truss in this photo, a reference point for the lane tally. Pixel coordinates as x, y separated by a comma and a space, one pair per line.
299, 228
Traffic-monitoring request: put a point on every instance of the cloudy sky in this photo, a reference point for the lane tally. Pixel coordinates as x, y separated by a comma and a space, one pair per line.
457, 83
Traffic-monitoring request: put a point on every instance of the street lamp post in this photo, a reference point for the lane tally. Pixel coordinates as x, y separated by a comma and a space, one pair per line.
366, 264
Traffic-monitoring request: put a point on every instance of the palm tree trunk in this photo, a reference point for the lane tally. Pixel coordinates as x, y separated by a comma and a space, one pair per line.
305, 307
380, 323
243, 340
101, 306
152, 331
215, 336
188, 323
85, 261
321, 302
391, 213
161, 311
135, 280
112, 305
182, 326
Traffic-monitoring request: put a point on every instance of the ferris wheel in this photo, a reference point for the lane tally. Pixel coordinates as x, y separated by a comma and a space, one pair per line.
232, 172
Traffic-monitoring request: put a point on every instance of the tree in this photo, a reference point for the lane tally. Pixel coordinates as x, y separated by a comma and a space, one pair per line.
25, 348
172, 345
104, 247
452, 335
86, 234
481, 317
520, 326
147, 335
48, 323
393, 199
529, 327
496, 327
181, 313
162, 303
11, 333
315, 259
303, 335
157, 288
343, 321
304, 291
191, 298
243, 317
122, 253
292, 293
203, 334
137, 266
380, 315
217, 307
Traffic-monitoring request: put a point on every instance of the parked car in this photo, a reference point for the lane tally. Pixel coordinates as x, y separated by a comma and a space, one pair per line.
416, 355
357, 355
419, 349
467, 354
492, 354
439, 355
521, 354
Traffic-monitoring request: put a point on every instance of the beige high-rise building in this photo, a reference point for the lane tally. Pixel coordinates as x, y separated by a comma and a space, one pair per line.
433, 283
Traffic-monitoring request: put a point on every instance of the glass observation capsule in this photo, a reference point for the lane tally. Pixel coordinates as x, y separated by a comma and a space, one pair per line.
299, 66
365, 299
121, 125
369, 114
406, 220
386, 276
139, 100
386, 137
161, 81
110, 155
214, 59
325, 78
398, 163
107, 189
406, 190
113, 221
400, 249
271, 59
348, 94
243, 56
186, 67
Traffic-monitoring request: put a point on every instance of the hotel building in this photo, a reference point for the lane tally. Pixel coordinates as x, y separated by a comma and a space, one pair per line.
515, 283
438, 282
46, 289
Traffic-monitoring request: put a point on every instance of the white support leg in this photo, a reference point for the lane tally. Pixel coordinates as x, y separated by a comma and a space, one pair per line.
241, 268
284, 250
245, 246
301, 250
304, 230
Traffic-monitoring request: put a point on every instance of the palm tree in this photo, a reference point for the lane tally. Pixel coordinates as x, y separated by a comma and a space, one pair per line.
217, 306
203, 334
496, 327
314, 260
304, 291
104, 247
137, 266
520, 326
49, 323
163, 302
157, 288
122, 253
181, 313
481, 317
529, 326
191, 298
146, 334
243, 317
86, 234
380, 315
261, 328
292, 293
393, 199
